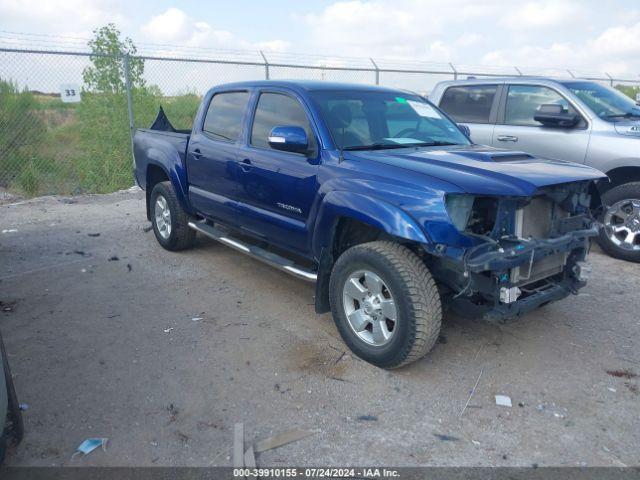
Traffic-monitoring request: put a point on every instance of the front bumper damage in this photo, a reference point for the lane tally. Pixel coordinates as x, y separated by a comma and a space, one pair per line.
501, 261
526, 252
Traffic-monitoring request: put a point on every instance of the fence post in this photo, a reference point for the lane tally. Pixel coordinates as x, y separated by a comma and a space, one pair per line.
127, 84
266, 65
610, 78
455, 72
377, 71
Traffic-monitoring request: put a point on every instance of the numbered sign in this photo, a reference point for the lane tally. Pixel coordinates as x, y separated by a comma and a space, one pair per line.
70, 93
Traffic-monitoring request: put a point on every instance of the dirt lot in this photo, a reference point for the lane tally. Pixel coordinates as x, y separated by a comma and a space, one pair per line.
111, 336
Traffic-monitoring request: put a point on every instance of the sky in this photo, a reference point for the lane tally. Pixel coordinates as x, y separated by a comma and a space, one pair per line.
590, 37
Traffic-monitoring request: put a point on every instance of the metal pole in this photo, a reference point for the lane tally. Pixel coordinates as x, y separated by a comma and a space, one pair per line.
571, 73
610, 78
377, 71
266, 65
127, 84
518, 70
455, 72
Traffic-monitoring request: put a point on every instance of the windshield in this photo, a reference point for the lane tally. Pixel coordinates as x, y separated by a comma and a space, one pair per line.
608, 103
367, 120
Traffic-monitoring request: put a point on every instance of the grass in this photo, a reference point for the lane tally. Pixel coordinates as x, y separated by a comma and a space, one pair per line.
51, 147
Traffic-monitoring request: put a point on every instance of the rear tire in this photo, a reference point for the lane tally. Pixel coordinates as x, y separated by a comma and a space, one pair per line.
620, 234
170, 221
371, 284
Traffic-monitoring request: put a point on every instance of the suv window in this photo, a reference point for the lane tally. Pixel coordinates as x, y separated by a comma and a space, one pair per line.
224, 115
469, 103
524, 100
276, 109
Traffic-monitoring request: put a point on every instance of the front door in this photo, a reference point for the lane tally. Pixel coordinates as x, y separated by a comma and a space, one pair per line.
517, 129
276, 189
212, 156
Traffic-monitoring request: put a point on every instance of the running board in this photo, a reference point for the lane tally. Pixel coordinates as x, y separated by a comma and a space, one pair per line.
254, 251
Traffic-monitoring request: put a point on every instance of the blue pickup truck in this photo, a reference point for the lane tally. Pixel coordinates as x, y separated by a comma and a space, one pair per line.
379, 198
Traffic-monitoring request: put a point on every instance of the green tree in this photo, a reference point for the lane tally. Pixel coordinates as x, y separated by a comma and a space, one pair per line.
629, 91
107, 72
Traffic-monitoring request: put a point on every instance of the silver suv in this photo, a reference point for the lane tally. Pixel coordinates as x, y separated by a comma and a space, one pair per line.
575, 120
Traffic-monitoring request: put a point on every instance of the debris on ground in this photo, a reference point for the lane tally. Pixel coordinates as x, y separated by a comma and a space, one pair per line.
129, 268
82, 253
90, 444
167, 330
184, 438
281, 439
93, 234
113, 258
196, 319
173, 412
473, 390
368, 418
238, 445
23, 406
7, 306
622, 373
552, 409
446, 438
503, 401
10, 230
148, 228
250, 458
611, 389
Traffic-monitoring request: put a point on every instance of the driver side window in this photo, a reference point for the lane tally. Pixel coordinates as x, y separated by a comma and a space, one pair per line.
523, 101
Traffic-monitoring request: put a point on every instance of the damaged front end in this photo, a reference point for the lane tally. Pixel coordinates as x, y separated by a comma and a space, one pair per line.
526, 252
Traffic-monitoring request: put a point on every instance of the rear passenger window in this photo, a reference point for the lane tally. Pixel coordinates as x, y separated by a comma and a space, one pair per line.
224, 116
524, 100
470, 103
275, 109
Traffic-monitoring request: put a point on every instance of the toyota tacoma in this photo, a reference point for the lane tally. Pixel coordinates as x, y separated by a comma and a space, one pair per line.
379, 198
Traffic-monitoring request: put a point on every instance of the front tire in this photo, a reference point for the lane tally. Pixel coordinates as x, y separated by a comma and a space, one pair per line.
620, 234
170, 221
385, 303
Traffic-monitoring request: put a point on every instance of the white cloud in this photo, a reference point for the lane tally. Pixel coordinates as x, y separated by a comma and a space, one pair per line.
540, 14
619, 40
72, 17
175, 27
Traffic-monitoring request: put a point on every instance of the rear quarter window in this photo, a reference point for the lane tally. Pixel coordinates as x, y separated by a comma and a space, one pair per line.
469, 103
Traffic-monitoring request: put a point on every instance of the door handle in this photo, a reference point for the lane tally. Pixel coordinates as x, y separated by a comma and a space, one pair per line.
507, 138
245, 165
197, 154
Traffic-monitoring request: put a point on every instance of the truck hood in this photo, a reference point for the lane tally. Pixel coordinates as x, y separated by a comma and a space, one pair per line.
483, 170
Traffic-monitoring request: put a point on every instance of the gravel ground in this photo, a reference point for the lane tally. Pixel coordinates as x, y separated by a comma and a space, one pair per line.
111, 336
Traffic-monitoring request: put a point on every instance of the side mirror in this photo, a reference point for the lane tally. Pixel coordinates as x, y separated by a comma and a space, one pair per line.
465, 129
289, 139
554, 115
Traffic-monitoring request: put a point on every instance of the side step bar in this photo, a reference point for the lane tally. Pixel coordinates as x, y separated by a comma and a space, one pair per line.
258, 253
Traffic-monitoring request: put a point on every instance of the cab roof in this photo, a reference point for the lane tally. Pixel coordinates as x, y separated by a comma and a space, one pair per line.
307, 85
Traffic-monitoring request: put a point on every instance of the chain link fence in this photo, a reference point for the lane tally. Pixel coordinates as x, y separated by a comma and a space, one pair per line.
63, 134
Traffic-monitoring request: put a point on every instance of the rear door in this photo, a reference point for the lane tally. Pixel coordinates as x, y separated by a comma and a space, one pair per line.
276, 189
475, 106
516, 128
212, 156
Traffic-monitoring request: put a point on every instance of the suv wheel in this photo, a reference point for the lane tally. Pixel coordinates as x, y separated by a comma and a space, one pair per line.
385, 303
170, 221
620, 234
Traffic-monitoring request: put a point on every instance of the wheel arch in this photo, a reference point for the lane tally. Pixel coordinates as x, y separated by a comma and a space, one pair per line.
346, 219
